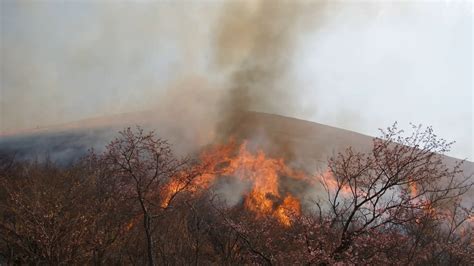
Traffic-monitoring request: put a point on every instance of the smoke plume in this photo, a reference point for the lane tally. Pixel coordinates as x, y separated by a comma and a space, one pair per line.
254, 42
199, 65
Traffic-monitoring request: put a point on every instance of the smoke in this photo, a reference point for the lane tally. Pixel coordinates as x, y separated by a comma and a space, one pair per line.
198, 66
255, 42
67, 61
231, 190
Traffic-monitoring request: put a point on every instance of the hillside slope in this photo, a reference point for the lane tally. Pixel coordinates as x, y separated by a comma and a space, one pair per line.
304, 143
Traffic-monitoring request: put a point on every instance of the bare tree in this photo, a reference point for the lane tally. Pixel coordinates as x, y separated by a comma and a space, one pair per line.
137, 203
401, 180
145, 166
44, 216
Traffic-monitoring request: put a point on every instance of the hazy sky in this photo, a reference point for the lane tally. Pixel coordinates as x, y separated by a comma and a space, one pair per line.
362, 66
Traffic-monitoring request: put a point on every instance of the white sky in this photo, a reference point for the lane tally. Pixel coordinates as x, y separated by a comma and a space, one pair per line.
370, 64
397, 62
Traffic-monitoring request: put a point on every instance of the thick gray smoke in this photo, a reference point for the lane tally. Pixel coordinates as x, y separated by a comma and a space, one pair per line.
255, 42
197, 65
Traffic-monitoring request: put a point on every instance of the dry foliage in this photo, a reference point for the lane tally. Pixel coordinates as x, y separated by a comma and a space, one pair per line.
137, 203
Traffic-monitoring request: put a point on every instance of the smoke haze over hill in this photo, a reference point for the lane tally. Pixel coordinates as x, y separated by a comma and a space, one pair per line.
358, 66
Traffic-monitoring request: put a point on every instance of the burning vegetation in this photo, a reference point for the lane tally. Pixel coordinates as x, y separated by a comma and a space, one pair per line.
138, 203
233, 201
260, 173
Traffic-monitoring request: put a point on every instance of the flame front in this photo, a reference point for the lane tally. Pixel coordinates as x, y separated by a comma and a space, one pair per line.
263, 173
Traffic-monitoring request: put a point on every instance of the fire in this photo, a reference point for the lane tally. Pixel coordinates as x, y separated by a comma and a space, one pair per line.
413, 189
171, 189
291, 206
262, 172
330, 182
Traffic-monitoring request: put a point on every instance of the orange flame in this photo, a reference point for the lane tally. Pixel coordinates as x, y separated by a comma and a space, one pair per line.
171, 189
331, 183
413, 189
291, 206
262, 172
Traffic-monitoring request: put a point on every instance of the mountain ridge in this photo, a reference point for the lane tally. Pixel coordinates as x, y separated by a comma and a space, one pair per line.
276, 134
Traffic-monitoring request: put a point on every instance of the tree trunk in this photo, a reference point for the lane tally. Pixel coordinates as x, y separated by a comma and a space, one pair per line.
149, 239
